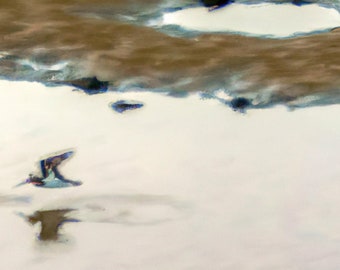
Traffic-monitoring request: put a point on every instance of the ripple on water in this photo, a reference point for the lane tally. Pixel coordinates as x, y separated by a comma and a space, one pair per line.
132, 210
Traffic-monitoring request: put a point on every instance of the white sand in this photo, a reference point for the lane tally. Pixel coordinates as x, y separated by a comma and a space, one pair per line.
273, 20
179, 184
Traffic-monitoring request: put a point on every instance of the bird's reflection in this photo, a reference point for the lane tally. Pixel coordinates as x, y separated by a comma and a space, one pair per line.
51, 221
128, 210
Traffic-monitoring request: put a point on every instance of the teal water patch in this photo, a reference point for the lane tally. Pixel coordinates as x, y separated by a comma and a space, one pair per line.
15, 67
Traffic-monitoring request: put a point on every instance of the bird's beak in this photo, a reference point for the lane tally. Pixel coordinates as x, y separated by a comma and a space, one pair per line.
21, 184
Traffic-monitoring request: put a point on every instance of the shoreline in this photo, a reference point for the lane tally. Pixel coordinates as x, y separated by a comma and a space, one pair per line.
270, 70
266, 99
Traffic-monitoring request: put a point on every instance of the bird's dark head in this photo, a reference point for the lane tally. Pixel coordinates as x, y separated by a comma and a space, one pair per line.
35, 180
32, 180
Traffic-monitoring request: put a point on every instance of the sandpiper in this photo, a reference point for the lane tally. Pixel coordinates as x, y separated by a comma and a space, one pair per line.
51, 178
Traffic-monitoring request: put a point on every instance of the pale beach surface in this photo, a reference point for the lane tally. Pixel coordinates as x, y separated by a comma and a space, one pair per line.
179, 184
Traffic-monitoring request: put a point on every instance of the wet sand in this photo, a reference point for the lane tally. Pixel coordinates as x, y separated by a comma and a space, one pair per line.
125, 53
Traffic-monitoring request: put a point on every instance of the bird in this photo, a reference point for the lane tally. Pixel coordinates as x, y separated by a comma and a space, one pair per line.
51, 177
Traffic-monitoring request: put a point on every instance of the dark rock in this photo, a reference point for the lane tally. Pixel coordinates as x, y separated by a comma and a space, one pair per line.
123, 105
300, 2
89, 85
215, 3
240, 103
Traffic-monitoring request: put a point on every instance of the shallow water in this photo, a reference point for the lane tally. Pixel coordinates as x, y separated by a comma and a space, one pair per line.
120, 41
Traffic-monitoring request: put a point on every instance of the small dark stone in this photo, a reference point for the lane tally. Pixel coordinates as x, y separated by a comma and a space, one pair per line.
240, 103
90, 85
300, 2
123, 105
215, 3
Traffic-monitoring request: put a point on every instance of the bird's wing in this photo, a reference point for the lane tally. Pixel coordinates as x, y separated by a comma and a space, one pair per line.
56, 160
53, 162
57, 173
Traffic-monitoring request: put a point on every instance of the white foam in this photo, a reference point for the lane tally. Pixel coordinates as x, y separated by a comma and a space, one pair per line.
38, 66
274, 20
3, 54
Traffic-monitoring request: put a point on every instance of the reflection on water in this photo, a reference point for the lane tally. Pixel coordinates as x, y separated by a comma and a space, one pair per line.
128, 210
50, 221
131, 210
